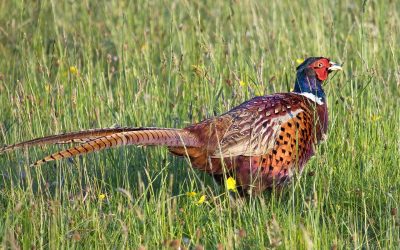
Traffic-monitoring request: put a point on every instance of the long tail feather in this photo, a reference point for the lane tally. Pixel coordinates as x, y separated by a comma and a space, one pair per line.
80, 140
72, 137
166, 137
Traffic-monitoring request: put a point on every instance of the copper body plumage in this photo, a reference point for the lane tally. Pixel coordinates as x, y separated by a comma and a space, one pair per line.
261, 142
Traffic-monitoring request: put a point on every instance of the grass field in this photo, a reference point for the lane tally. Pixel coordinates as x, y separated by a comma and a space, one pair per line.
72, 65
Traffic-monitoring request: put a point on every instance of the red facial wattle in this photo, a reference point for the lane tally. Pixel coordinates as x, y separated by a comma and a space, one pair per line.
322, 73
320, 68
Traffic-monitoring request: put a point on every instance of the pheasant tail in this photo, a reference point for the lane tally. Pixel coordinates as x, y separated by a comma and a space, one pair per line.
145, 136
72, 137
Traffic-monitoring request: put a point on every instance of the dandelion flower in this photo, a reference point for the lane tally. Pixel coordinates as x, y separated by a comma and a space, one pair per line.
47, 87
375, 118
144, 47
191, 194
102, 197
201, 200
73, 70
243, 83
259, 92
231, 184
299, 61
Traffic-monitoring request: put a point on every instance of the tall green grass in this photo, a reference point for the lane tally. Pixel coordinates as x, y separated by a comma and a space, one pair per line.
72, 65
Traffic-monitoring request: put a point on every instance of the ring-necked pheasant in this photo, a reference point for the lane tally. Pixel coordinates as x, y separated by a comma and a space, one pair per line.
262, 142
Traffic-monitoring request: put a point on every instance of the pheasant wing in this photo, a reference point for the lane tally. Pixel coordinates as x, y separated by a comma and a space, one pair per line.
255, 127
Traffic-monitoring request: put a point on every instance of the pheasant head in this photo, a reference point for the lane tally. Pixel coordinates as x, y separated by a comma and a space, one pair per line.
311, 74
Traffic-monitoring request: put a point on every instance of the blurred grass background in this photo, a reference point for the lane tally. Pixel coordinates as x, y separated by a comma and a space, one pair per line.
72, 65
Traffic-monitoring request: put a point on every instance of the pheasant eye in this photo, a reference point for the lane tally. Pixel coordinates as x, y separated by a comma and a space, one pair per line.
320, 65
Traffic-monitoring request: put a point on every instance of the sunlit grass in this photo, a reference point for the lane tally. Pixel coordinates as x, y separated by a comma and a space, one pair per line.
75, 65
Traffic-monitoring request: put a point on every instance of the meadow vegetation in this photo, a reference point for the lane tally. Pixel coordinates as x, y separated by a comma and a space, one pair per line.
72, 65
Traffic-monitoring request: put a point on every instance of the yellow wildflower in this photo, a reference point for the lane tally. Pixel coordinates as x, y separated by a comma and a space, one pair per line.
201, 200
231, 184
191, 194
375, 118
102, 197
144, 47
259, 92
299, 61
47, 87
243, 83
73, 70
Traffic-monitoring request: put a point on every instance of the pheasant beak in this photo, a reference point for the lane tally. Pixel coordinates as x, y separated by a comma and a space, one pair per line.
334, 67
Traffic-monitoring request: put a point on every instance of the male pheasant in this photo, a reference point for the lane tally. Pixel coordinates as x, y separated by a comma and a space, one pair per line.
261, 142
